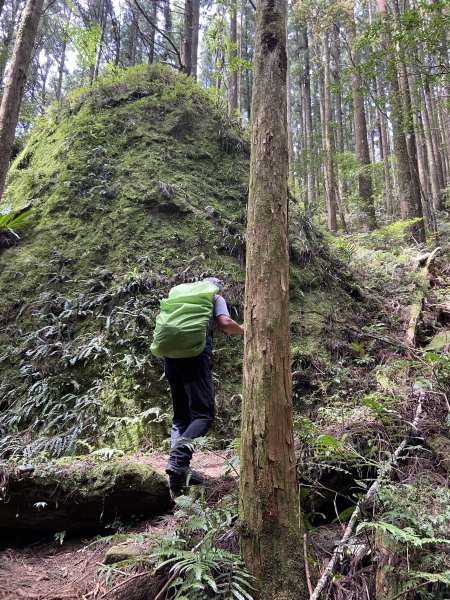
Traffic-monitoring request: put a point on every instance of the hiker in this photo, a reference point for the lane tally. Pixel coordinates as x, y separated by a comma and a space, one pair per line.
192, 390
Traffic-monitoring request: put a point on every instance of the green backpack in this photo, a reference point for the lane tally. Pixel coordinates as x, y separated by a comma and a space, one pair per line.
181, 325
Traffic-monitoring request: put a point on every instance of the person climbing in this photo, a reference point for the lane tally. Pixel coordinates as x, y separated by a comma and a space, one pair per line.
192, 391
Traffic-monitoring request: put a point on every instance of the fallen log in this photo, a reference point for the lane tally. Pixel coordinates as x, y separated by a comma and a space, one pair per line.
79, 494
416, 308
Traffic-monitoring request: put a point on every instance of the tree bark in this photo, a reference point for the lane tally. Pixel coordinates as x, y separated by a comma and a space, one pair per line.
385, 152
15, 83
436, 180
186, 43
361, 143
233, 80
152, 34
310, 184
330, 175
410, 206
195, 31
339, 128
271, 539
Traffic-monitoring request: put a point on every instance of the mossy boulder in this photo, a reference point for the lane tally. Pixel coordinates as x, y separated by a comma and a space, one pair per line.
76, 495
137, 184
134, 185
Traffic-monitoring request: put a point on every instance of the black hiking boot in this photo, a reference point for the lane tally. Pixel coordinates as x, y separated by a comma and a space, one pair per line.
179, 479
194, 478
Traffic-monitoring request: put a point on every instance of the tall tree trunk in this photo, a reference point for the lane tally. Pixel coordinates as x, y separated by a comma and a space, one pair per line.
407, 185
310, 183
424, 166
15, 83
62, 60
408, 128
290, 126
186, 44
361, 143
385, 153
152, 33
240, 54
440, 123
431, 157
167, 11
339, 127
271, 539
195, 32
7, 40
330, 174
233, 79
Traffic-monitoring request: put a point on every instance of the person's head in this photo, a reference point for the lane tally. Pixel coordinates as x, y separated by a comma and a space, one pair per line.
217, 282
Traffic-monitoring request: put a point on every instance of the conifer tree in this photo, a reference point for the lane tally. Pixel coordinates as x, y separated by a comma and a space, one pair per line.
271, 537
15, 83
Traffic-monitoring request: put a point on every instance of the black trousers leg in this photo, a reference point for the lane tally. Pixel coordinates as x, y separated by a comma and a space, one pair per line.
192, 390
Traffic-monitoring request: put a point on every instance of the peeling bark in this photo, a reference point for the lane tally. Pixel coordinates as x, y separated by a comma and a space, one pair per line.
271, 539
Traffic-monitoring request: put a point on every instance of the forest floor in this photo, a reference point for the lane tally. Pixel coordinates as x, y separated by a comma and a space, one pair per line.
69, 569
339, 427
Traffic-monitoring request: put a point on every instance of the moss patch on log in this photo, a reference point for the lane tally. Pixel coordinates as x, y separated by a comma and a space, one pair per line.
75, 494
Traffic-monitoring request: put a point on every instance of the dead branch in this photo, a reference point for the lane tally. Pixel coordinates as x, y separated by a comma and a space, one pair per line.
363, 502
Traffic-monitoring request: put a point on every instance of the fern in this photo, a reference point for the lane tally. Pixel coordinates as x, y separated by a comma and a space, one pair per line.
197, 567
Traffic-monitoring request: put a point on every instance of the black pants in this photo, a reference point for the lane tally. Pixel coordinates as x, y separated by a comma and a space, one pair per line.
192, 390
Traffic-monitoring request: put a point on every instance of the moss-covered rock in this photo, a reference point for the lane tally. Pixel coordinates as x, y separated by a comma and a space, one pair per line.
132, 184
136, 184
78, 495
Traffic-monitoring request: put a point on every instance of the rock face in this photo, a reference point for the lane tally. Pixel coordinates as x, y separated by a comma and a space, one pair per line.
79, 495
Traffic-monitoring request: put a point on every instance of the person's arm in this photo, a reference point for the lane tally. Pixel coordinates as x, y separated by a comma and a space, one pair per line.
227, 325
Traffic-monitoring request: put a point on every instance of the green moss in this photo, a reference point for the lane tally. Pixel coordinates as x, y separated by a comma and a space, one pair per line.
119, 178
85, 478
136, 184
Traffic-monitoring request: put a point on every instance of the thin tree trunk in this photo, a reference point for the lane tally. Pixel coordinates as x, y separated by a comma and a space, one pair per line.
271, 538
62, 62
186, 44
361, 143
330, 175
8, 37
152, 34
310, 184
407, 184
240, 55
410, 137
233, 80
15, 83
339, 128
385, 152
431, 157
433, 126
425, 167
195, 32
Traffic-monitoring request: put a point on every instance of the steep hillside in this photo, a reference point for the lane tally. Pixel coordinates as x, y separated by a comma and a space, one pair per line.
136, 184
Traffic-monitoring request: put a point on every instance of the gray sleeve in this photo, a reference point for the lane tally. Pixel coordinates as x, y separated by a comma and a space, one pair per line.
220, 307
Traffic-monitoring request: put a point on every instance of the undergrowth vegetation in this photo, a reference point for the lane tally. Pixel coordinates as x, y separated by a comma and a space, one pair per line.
193, 558
139, 184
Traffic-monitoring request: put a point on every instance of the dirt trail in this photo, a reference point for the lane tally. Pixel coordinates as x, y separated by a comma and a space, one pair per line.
51, 571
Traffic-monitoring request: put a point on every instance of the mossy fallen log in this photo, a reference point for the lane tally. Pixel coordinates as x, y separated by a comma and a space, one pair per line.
78, 495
